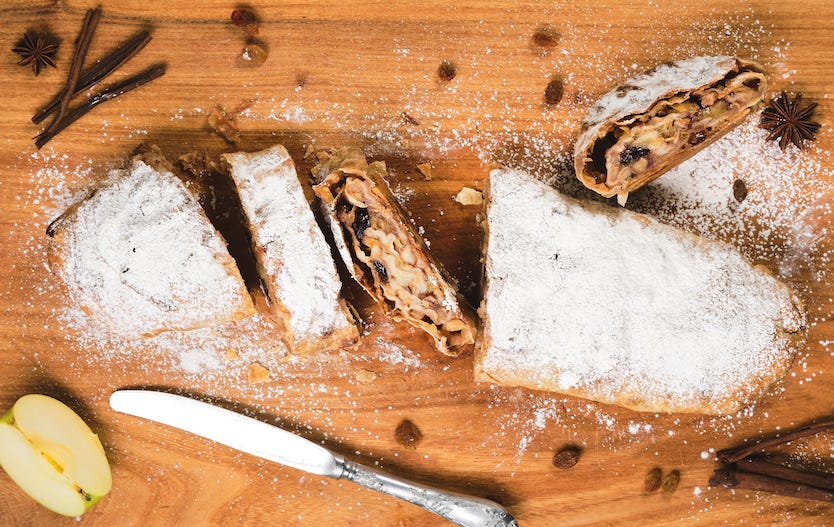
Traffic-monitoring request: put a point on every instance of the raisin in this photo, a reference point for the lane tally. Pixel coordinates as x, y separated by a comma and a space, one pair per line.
245, 20
739, 190
407, 434
653, 480
663, 112
546, 37
671, 481
632, 154
554, 91
447, 71
381, 271
254, 53
361, 221
697, 138
567, 457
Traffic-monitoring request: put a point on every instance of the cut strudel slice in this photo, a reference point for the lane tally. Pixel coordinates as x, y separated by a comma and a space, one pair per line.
141, 257
293, 258
385, 253
600, 302
653, 122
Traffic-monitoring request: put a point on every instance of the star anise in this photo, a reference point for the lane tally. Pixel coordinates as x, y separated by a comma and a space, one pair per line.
36, 50
788, 122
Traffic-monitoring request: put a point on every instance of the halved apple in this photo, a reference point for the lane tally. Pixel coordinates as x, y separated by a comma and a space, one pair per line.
53, 455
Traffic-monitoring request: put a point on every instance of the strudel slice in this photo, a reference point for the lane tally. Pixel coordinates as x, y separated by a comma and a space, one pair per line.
653, 122
603, 303
293, 258
141, 257
386, 254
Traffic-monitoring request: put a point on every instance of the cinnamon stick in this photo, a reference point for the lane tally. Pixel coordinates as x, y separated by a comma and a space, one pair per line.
105, 95
756, 465
99, 71
82, 45
731, 478
732, 455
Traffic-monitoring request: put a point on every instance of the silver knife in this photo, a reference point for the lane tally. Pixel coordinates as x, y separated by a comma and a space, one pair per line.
269, 442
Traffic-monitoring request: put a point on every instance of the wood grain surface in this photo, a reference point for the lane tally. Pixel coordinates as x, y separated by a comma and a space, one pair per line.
345, 73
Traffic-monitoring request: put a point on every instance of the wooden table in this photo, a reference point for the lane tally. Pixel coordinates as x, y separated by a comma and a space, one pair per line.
361, 73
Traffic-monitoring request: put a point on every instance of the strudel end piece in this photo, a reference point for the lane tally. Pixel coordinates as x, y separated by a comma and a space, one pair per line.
653, 122
141, 257
600, 302
385, 253
293, 258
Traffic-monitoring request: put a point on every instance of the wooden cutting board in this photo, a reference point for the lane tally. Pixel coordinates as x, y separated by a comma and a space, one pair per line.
366, 73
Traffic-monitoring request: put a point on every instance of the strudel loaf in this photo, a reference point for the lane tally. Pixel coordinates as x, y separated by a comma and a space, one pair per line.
603, 303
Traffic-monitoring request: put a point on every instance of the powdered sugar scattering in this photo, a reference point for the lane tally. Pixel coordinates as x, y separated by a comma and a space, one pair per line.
397, 355
770, 223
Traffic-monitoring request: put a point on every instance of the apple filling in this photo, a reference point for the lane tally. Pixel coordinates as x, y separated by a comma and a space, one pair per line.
641, 147
398, 270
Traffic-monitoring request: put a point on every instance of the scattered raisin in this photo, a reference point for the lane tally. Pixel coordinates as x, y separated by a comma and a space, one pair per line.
447, 71
739, 190
246, 20
671, 481
224, 125
653, 480
632, 154
254, 52
407, 434
554, 91
546, 37
567, 456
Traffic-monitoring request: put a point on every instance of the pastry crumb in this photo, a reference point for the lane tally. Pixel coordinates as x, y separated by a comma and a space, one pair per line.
469, 196
231, 354
365, 376
256, 373
426, 170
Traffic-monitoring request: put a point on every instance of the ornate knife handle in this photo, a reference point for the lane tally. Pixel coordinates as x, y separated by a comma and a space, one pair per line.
465, 511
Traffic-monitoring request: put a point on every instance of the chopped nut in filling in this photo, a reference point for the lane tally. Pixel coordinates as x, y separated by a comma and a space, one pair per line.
388, 257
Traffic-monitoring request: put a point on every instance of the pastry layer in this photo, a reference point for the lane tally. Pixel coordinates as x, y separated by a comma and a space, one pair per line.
607, 304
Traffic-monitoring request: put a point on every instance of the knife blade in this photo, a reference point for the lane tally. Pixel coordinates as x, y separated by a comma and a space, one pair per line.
229, 428
275, 444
